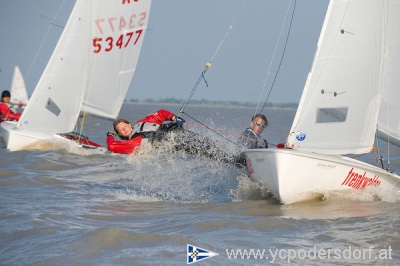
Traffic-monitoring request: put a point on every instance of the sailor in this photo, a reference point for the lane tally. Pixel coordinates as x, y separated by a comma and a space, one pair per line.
251, 137
132, 138
7, 111
152, 131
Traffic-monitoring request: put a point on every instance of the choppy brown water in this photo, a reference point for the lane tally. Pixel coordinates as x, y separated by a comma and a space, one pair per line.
65, 207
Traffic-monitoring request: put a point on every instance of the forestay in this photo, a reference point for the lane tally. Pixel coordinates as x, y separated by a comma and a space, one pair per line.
339, 107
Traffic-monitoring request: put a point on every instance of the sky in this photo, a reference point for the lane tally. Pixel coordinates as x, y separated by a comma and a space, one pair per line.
182, 36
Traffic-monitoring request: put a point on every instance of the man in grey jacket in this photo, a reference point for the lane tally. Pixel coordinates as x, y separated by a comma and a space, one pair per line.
251, 137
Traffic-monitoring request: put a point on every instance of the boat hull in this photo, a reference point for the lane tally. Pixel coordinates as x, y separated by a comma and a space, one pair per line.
16, 139
294, 176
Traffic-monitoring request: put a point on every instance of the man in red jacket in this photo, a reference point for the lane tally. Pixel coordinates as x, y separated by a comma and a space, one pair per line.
152, 129
5, 112
134, 137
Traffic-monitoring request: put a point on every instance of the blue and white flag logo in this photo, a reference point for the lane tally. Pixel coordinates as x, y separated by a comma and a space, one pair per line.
300, 135
195, 254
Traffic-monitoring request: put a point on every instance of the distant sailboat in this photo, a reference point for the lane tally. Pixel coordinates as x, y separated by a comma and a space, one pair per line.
19, 95
351, 95
89, 72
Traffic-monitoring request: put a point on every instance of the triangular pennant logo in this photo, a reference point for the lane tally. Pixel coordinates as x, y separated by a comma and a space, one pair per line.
195, 254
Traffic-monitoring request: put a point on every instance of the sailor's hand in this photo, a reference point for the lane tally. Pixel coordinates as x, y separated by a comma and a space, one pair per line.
179, 121
110, 133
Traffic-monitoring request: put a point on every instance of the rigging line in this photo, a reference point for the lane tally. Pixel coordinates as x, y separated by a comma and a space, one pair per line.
378, 147
208, 64
209, 128
283, 55
193, 90
226, 34
88, 91
377, 134
273, 57
81, 126
86, 97
387, 94
53, 21
45, 36
229, 133
376, 156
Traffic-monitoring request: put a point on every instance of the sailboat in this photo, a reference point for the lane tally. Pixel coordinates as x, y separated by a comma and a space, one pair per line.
19, 95
89, 72
350, 98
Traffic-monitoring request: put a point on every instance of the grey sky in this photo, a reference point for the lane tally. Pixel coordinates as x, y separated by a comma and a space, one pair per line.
183, 35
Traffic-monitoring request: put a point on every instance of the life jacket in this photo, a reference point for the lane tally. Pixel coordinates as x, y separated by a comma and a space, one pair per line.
11, 107
251, 140
261, 143
145, 129
6, 114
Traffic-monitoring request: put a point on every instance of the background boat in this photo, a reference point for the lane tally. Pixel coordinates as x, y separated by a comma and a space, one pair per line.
19, 95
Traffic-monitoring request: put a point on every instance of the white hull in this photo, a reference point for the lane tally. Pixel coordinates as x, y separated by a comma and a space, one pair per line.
294, 176
16, 139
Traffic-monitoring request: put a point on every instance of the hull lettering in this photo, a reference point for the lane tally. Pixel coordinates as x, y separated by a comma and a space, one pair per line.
360, 181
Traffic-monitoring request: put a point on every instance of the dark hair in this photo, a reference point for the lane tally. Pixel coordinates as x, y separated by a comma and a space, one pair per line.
5, 94
120, 120
116, 122
262, 118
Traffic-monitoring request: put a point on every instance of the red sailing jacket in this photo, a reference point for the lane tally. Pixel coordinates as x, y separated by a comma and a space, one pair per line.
6, 114
133, 145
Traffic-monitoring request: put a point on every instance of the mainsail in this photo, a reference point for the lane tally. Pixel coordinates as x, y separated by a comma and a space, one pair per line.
117, 41
339, 108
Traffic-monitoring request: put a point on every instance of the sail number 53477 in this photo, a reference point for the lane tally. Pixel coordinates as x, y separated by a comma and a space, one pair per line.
118, 24
110, 43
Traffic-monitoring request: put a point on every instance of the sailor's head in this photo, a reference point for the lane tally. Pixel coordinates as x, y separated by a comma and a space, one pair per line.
5, 96
123, 127
258, 123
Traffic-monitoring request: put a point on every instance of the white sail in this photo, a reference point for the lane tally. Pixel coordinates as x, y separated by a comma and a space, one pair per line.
389, 114
55, 103
118, 41
19, 95
339, 107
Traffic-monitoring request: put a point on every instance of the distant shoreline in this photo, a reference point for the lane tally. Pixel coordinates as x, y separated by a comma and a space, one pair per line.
288, 105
